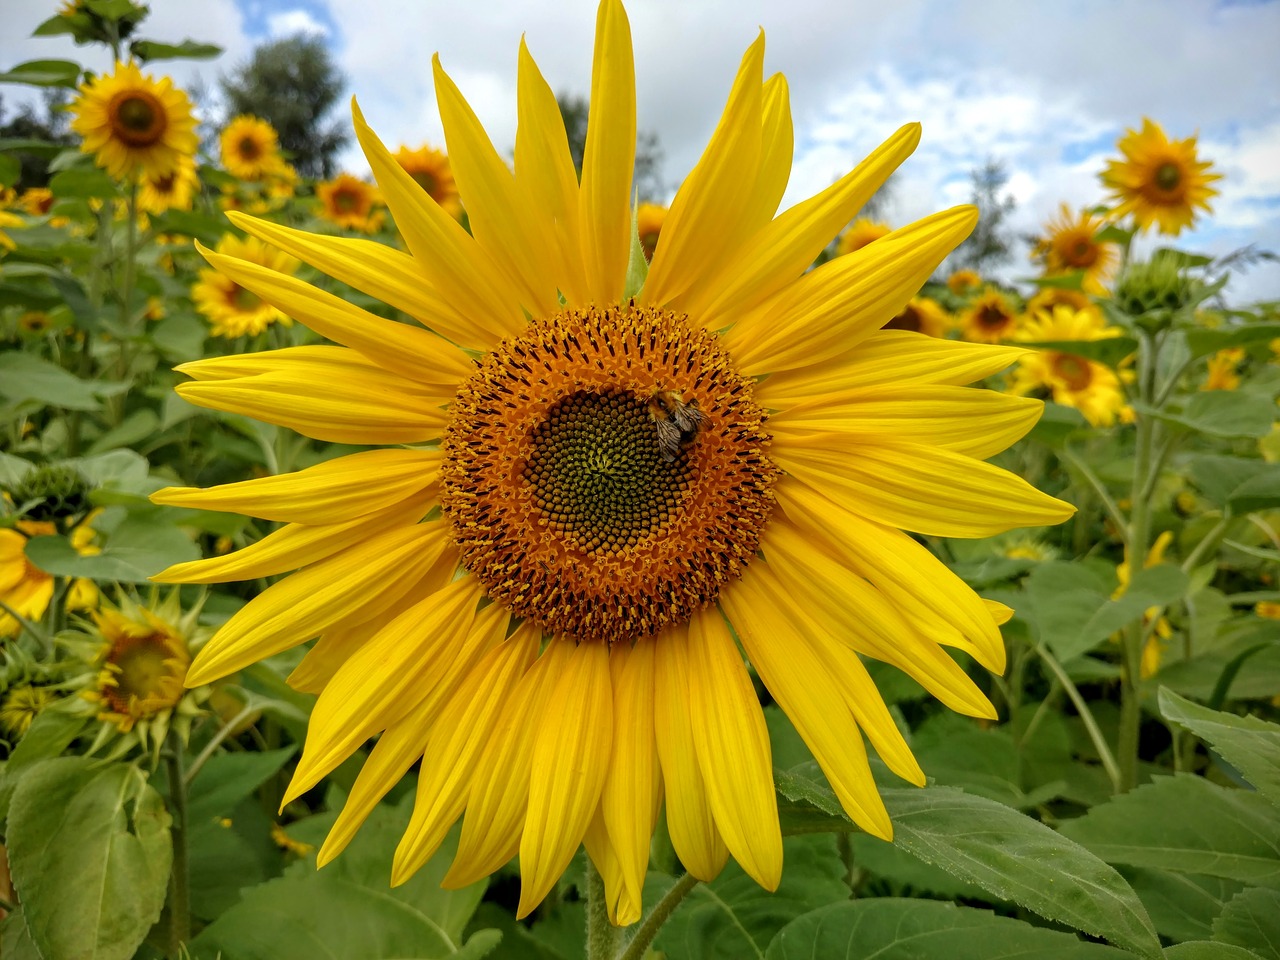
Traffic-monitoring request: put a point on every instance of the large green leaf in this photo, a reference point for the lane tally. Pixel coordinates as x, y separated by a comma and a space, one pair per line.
143, 545
90, 851
28, 379
1260, 492
43, 73
83, 184
1182, 905
890, 929
1187, 825
733, 916
50, 733
229, 778
1249, 744
1222, 413
1111, 351
1208, 950
1252, 920
1004, 852
146, 50
1204, 342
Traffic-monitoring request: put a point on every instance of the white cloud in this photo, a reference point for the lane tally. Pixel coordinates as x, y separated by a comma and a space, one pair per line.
288, 23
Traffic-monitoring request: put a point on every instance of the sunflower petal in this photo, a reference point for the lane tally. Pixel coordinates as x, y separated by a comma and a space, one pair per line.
624, 909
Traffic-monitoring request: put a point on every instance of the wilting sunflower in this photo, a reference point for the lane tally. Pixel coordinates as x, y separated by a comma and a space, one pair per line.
1070, 243
133, 124
649, 220
170, 191
1160, 181
348, 201
234, 310
1070, 379
430, 169
991, 317
922, 315
861, 232
606, 477
250, 148
962, 282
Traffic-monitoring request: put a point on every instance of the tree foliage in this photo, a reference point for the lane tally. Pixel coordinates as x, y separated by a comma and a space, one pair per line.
992, 241
293, 83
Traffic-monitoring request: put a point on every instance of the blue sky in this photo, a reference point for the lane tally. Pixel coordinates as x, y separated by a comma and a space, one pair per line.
1046, 88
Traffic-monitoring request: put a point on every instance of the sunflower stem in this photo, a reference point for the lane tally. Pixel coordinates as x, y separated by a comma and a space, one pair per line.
602, 936
223, 732
180, 877
661, 913
1086, 716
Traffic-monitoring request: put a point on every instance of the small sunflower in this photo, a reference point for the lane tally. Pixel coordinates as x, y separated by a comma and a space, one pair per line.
649, 220
859, 233
1160, 181
1070, 243
430, 170
922, 315
575, 501
1224, 370
7, 222
1047, 298
349, 202
232, 309
964, 282
250, 148
1153, 650
132, 124
37, 201
25, 588
34, 322
1072, 380
990, 318
169, 191
20, 706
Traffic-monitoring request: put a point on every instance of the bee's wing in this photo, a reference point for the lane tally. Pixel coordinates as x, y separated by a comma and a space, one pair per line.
668, 438
688, 418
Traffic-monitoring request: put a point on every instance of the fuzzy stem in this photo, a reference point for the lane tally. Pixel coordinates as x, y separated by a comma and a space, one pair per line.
653, 923
602, 936
180, 878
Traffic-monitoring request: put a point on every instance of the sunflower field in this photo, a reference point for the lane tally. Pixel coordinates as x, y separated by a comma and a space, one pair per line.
470, 561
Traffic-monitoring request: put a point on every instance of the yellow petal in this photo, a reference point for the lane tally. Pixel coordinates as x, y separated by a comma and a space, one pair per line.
330, 492
827, 313
378, 270
733, 749
609, 158
412, 353
452, 261
1000, 612
690, 821
708, 217
762, 616
624, 909
976, 423
778, 254
236, 366
570, 761
358, 582
924, 489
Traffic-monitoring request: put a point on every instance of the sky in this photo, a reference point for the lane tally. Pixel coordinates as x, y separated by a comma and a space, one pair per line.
1045, 88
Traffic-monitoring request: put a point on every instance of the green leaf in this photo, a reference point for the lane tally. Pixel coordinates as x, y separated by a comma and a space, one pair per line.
146, 50
896, 929
50, 733
1252, 920
1057, 423
1185, 824
1182, 905
1004, 852
44, 73
138, 426
15, 938
90, 851
10, 170
1208, 950
229, 778
143, 545
1259, 492
734, 917
28, 379
1203, 342
1109, 351
1250, 745
83, 184
1222, 413
54, 26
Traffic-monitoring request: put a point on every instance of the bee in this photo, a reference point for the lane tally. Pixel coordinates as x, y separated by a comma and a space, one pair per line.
677, 422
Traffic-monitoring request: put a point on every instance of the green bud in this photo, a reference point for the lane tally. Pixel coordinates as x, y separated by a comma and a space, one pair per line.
52, 492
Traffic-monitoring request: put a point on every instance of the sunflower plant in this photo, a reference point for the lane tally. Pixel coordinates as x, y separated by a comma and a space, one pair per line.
550, 574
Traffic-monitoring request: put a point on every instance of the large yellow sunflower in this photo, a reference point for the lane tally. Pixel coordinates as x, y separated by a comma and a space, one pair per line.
922, 315
250, 148
1070, 243
234, 310
1160, 181
605, 476
1070, 379
431, 171
349, 202
989, 318
132, 123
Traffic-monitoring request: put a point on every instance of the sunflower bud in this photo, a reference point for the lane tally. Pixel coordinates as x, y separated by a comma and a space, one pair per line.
51, 493
1154, 291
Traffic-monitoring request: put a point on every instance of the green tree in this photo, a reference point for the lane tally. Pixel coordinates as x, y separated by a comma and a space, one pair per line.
293, 83
648, 182
49, 125
992, 240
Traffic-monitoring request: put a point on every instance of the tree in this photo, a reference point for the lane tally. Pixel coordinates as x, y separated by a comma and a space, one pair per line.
648, 170
293, 84
991, 242
50, 126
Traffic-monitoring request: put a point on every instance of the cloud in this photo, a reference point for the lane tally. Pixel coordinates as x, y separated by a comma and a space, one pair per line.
288, 23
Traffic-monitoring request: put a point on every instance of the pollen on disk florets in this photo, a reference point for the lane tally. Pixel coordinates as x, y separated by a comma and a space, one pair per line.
561, 495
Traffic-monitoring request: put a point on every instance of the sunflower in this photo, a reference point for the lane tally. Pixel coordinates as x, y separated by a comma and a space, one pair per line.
962, 282
348, 201
25, 589
861, 232
606, 480
1069, 378
250, 148
431, 171
234, 310
37, 201
1047, 298
170, 191
1223, 370
922, 315
131, 122
1154, 648
1071, 244
8, 221
649, 220
1160, 181
21, 705
991, 317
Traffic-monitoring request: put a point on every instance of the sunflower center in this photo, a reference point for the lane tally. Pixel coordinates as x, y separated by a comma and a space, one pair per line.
242, 299
137, 118
992, 318
249, 148
426, 181
1168, 176
908, 319
345, 201
147, 674
1074, 371
606, 473
1081, 252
